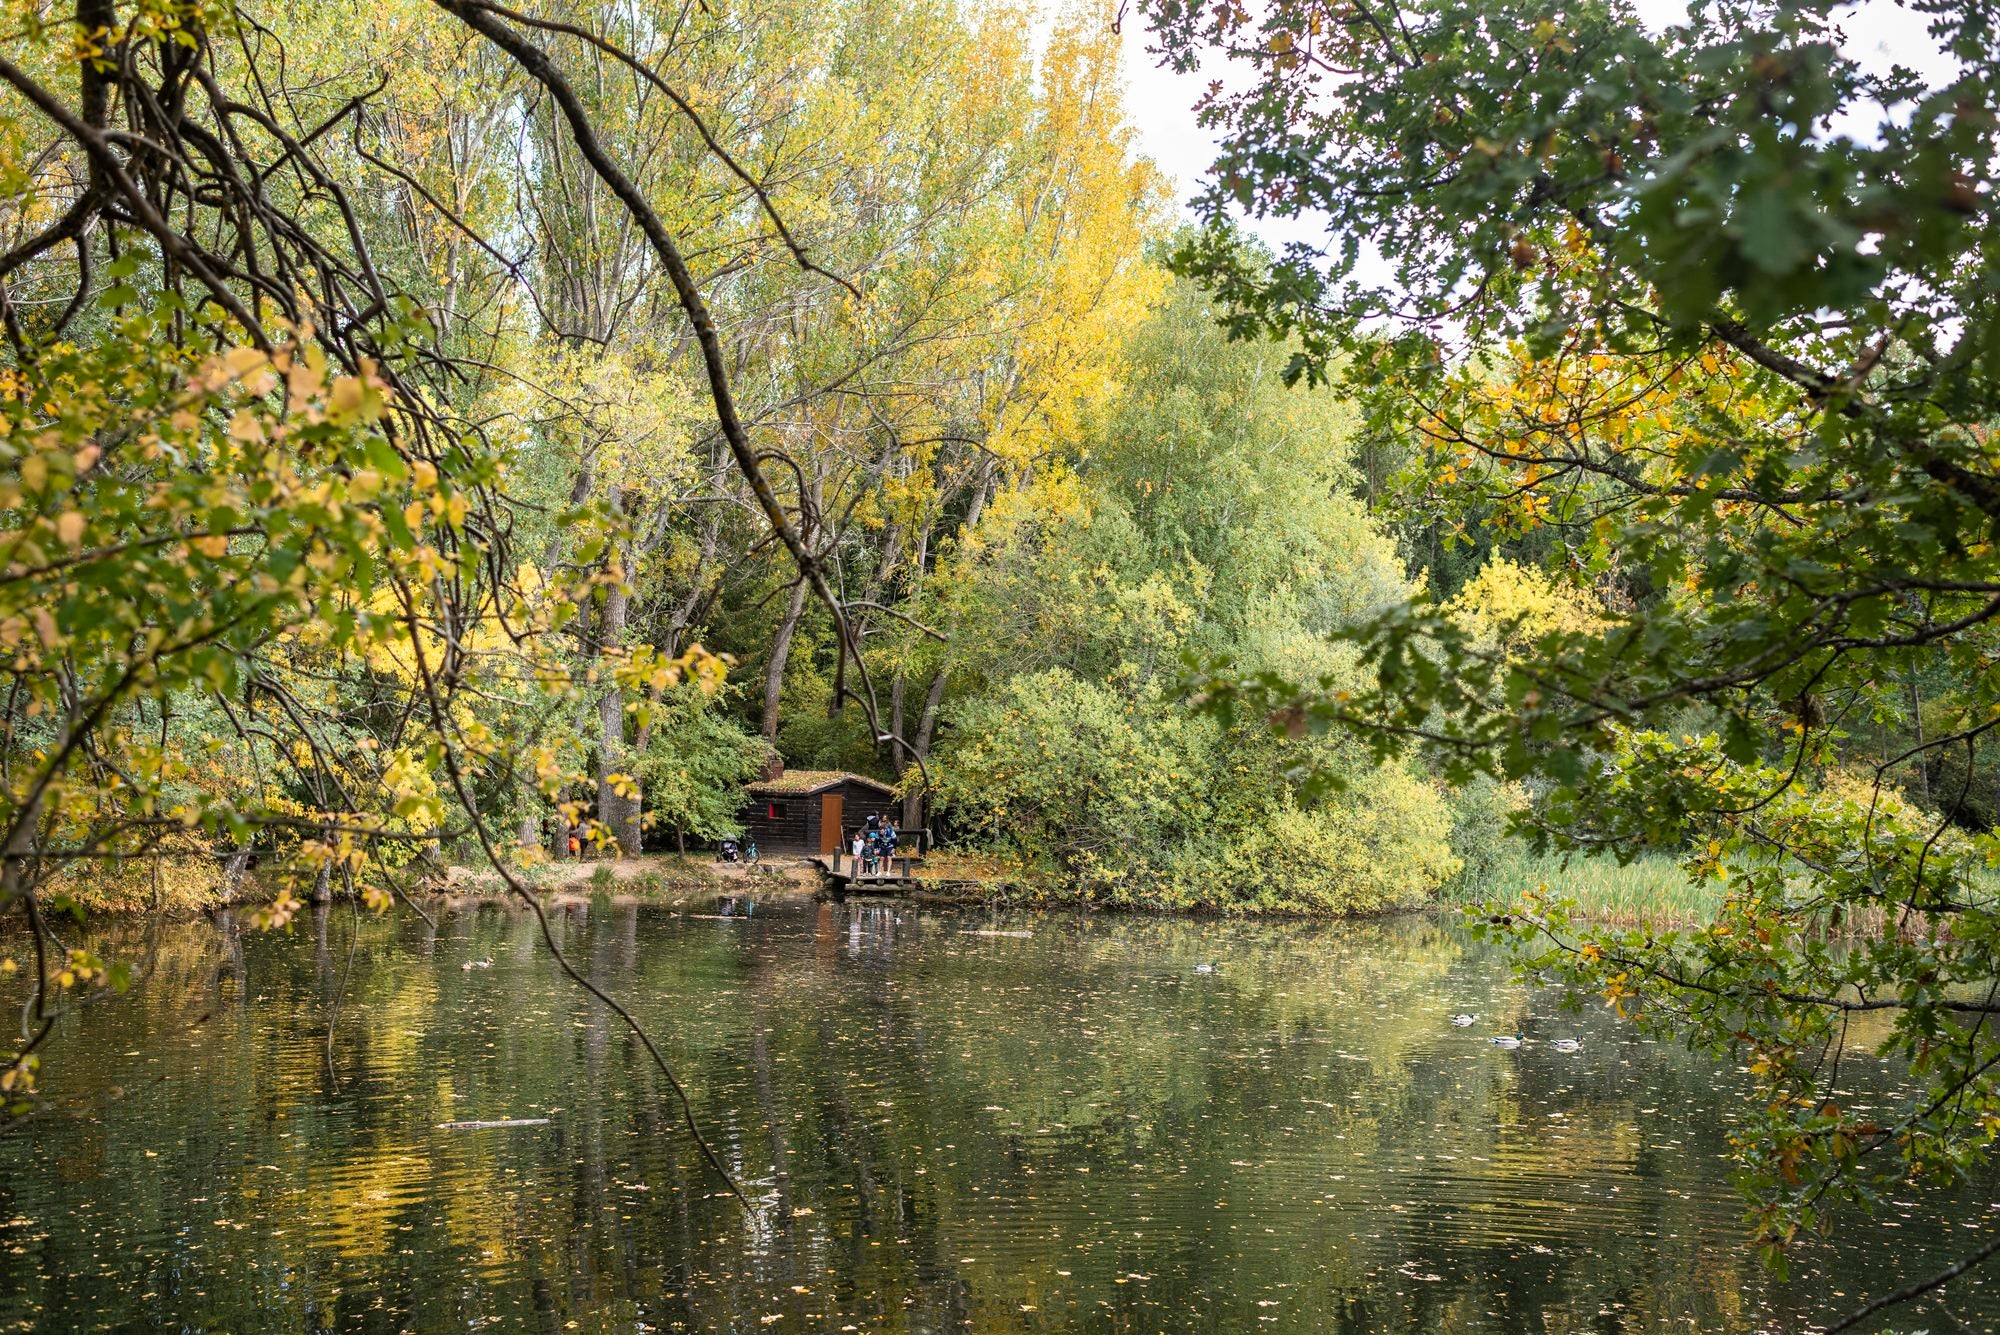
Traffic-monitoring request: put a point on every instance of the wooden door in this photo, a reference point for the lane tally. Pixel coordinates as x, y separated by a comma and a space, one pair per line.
829, 823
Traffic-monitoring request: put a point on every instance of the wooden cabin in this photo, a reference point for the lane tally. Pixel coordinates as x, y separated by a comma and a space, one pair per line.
813, 811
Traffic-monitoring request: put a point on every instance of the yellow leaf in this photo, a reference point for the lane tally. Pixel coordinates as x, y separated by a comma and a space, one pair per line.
348, 399
306, 377
70, 529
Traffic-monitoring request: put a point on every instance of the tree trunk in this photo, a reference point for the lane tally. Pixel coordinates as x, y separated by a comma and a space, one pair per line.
781, 650
232, 873
914, 814
703, 588
530, 830
1917, 726
620, 814
899, 759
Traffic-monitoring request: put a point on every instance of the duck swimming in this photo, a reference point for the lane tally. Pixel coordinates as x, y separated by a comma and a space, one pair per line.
1204, 968
486, 963
1507, 1040
1464, 1021
1568, 1045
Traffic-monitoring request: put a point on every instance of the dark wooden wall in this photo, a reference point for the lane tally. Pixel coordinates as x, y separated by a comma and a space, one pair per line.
795, 829
798, 828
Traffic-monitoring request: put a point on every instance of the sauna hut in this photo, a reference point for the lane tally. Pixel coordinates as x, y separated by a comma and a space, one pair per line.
809, 810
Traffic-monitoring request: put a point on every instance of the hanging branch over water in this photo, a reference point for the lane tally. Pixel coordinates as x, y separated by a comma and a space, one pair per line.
188, 476
346, 506
282, 361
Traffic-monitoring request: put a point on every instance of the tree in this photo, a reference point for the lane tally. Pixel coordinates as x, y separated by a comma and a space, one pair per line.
695, 764
227, 474
1202, 510
997, 230
1716, 304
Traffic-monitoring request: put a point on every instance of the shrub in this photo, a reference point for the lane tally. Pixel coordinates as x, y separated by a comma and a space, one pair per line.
1128, 800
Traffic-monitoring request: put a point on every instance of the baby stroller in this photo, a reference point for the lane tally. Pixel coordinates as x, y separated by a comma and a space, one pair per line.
729, 851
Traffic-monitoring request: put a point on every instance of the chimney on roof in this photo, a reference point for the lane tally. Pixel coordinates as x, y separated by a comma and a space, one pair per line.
773, 767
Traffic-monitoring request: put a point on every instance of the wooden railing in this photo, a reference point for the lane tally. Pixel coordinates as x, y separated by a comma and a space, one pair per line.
895, 868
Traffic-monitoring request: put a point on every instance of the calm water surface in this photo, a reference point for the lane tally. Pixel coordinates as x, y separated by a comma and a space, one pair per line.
944, 1129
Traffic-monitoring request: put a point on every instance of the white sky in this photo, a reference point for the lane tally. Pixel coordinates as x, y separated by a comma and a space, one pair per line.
1879, 33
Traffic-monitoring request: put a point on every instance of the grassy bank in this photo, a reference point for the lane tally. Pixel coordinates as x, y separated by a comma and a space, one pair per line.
1651, 889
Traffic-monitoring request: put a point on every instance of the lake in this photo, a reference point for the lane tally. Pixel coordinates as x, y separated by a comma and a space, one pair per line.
948, 1122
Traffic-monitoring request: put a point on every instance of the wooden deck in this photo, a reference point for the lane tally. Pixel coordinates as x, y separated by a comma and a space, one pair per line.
844, 873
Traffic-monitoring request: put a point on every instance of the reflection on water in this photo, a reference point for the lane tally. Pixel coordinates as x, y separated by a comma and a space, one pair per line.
948, 1126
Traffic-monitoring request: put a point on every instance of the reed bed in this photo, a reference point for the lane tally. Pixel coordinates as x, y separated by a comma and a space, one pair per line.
1655, 890
1652, 889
